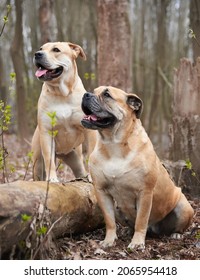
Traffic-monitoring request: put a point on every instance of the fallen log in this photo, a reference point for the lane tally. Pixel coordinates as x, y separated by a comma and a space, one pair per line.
71, 207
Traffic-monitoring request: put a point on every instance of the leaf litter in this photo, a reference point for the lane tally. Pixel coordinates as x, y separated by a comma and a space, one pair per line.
86, 246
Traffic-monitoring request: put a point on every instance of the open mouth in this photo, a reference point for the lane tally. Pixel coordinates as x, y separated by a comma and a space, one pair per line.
48, 74
92, 121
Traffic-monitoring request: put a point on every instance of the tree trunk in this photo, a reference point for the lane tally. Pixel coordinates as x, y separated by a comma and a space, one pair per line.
114, 48
160, 64
3, 88
185, 129
45, 19
18, 63
194, 24
73, 208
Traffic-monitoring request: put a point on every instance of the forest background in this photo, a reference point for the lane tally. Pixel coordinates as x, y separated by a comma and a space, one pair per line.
148, 39
149, 47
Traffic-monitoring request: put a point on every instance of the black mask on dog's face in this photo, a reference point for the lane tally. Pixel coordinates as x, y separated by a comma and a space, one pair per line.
96, 115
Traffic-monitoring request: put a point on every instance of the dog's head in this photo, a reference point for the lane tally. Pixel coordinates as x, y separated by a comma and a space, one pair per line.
108, 106
53, 60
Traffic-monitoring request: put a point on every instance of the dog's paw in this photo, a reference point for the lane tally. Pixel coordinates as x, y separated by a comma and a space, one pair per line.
137, 242
136, 246
108, 242
176, 235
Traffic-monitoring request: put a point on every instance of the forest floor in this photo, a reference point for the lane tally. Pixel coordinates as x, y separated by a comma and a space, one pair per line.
86, 246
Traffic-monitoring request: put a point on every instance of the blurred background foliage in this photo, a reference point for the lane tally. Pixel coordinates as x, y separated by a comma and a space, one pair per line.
158, 33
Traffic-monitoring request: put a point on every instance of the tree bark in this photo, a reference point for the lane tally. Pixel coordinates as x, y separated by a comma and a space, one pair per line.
45, 19
185, 129
160, 63
114, 60
3, 88
73, 208
195, 23
18, 63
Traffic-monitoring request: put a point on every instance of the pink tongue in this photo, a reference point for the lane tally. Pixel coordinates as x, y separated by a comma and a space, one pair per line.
40, 72
93, 117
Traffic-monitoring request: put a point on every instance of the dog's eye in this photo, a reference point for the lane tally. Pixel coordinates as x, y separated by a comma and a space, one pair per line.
41, 49
106, 93
56, 50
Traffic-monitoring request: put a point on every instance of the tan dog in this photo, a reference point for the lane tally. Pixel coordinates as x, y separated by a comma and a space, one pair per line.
126, 170
62, 93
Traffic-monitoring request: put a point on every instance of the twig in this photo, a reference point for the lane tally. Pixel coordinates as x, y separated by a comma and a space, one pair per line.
5, 19
162, 74
46, 235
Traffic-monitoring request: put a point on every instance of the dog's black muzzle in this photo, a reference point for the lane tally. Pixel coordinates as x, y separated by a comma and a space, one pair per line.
96, 115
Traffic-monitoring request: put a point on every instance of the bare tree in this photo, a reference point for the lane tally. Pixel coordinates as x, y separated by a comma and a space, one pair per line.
160, 63
18, 63
114, 60
45, 18
3, 88
195, 26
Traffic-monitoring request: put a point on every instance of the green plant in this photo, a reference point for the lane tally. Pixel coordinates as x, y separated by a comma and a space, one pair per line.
42, 230
89, 76
5, 19
25, 217
189, 166
197, 235
5, 118
193, 36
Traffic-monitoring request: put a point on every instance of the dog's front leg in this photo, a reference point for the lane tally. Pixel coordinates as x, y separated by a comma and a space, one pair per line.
142, 219
106, 204
48, 151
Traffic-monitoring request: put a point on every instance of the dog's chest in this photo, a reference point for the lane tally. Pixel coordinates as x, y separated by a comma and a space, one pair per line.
119, 172
123, 181
63, 112
66, 114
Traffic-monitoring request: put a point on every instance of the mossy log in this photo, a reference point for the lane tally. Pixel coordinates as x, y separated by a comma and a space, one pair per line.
72, 209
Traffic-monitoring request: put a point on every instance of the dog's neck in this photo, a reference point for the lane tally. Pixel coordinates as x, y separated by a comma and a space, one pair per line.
122, 142
120, 137
64, 88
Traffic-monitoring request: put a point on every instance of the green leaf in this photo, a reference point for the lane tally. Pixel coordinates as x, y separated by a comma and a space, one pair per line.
25, 217
86, 76
193, 174
53, 133
5, 19
42, 230
30, 155
192, 34
12, 76
188, 164
93, 76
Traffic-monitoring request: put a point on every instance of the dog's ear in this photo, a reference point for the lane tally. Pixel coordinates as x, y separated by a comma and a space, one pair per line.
135, 103
77, 50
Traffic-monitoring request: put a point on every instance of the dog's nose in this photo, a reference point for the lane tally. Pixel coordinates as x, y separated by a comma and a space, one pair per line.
38, 54
87, 95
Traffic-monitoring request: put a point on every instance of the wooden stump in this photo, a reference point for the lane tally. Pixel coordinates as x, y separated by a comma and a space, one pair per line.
185, 129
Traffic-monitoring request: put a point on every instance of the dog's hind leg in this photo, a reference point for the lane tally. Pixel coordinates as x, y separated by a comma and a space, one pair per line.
75, 162
38, 162
177, 221
38, 168
184, 214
